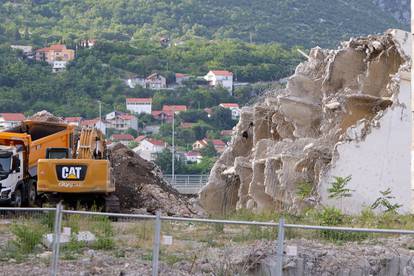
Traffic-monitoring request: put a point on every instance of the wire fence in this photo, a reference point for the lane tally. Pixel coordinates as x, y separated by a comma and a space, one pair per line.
60, 242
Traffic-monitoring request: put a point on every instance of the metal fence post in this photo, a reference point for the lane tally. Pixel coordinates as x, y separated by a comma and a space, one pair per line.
156, 244
56, 239
279, 249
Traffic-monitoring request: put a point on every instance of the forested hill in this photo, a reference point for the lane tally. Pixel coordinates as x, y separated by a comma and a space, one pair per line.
290, 22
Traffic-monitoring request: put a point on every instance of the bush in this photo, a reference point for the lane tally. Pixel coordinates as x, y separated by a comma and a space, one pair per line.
27, 237
330, 216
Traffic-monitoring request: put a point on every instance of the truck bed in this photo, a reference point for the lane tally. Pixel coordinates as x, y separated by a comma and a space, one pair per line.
36, 137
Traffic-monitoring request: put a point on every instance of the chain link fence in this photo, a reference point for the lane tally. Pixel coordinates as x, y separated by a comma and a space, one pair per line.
54, 241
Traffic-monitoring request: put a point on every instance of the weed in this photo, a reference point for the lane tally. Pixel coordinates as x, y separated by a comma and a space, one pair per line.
104, 234
27, 236
384, 201
48, 220
304, 189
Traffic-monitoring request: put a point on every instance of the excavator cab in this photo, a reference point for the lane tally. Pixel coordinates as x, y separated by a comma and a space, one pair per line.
57, 153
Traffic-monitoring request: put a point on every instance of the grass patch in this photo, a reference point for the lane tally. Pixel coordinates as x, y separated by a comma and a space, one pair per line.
326, 216
27, 238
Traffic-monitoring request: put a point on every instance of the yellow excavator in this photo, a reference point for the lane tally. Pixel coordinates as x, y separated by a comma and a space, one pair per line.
81, 174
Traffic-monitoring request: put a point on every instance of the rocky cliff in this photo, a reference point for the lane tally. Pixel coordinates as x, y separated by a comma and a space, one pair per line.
292, 136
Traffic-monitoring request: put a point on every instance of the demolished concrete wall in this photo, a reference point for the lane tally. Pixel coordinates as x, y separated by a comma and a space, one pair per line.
313, 129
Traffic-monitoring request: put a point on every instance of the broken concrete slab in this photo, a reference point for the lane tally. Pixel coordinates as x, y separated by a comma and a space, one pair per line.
83, 236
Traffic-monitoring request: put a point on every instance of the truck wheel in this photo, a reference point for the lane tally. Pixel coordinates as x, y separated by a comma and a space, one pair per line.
32, 195
18, 200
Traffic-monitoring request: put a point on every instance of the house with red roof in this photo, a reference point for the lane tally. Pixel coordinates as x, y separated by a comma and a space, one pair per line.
123, 138
234, 108
218, 144
139, 105
220, 78
73, 120
179, 78
187, 125
174, 108
163, 116
200, 144
55, 52
8, 120
121, 121
193, 156
139, 138
97, 123
226, 132
156, 81
148, 148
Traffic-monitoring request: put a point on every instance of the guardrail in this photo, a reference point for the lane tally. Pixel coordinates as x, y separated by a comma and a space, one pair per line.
187, 183
158, 218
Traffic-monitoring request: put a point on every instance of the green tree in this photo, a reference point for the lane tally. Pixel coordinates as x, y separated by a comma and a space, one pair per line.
221, 118
384, 201
338, 189
164, 161
132, 131
209, 150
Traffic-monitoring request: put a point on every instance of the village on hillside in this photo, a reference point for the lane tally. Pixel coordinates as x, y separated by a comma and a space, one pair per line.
140, 126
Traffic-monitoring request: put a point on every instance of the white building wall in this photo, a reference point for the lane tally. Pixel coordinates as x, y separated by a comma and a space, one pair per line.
101, 126
139, 107
383, 160
8, 124
147, 150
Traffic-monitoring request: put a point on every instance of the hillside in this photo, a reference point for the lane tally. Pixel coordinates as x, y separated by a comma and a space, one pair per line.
399, 9
290, 22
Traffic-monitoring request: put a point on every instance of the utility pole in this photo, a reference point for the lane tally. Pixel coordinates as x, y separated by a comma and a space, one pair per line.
100, 114
100, 110
173, 149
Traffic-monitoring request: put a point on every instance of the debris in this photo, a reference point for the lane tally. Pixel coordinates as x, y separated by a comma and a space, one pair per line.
45, 116
139, 184
83, 236
333, 102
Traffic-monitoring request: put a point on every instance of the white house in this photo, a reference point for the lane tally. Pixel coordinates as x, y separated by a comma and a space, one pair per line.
8, 120
26, 49
156, 81
73, 120
97, 123
193, 156
234, 108
179, 78
149, 147
135, 81
59, 65
139, 105
124, 139
121, 121
220, 78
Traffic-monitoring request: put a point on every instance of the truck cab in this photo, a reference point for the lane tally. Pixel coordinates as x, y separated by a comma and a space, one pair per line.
12, 188
20, 149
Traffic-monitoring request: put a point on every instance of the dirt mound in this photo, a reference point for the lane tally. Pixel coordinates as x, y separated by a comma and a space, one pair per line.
139, 185
45, 116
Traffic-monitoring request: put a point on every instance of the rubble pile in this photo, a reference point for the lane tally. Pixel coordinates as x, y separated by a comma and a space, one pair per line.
335, 98
139, 183
140, 186
45, 116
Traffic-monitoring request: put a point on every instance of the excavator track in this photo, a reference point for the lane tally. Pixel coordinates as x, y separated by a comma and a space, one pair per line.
112, 204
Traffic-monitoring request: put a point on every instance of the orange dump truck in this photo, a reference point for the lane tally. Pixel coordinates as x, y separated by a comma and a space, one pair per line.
20, 149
